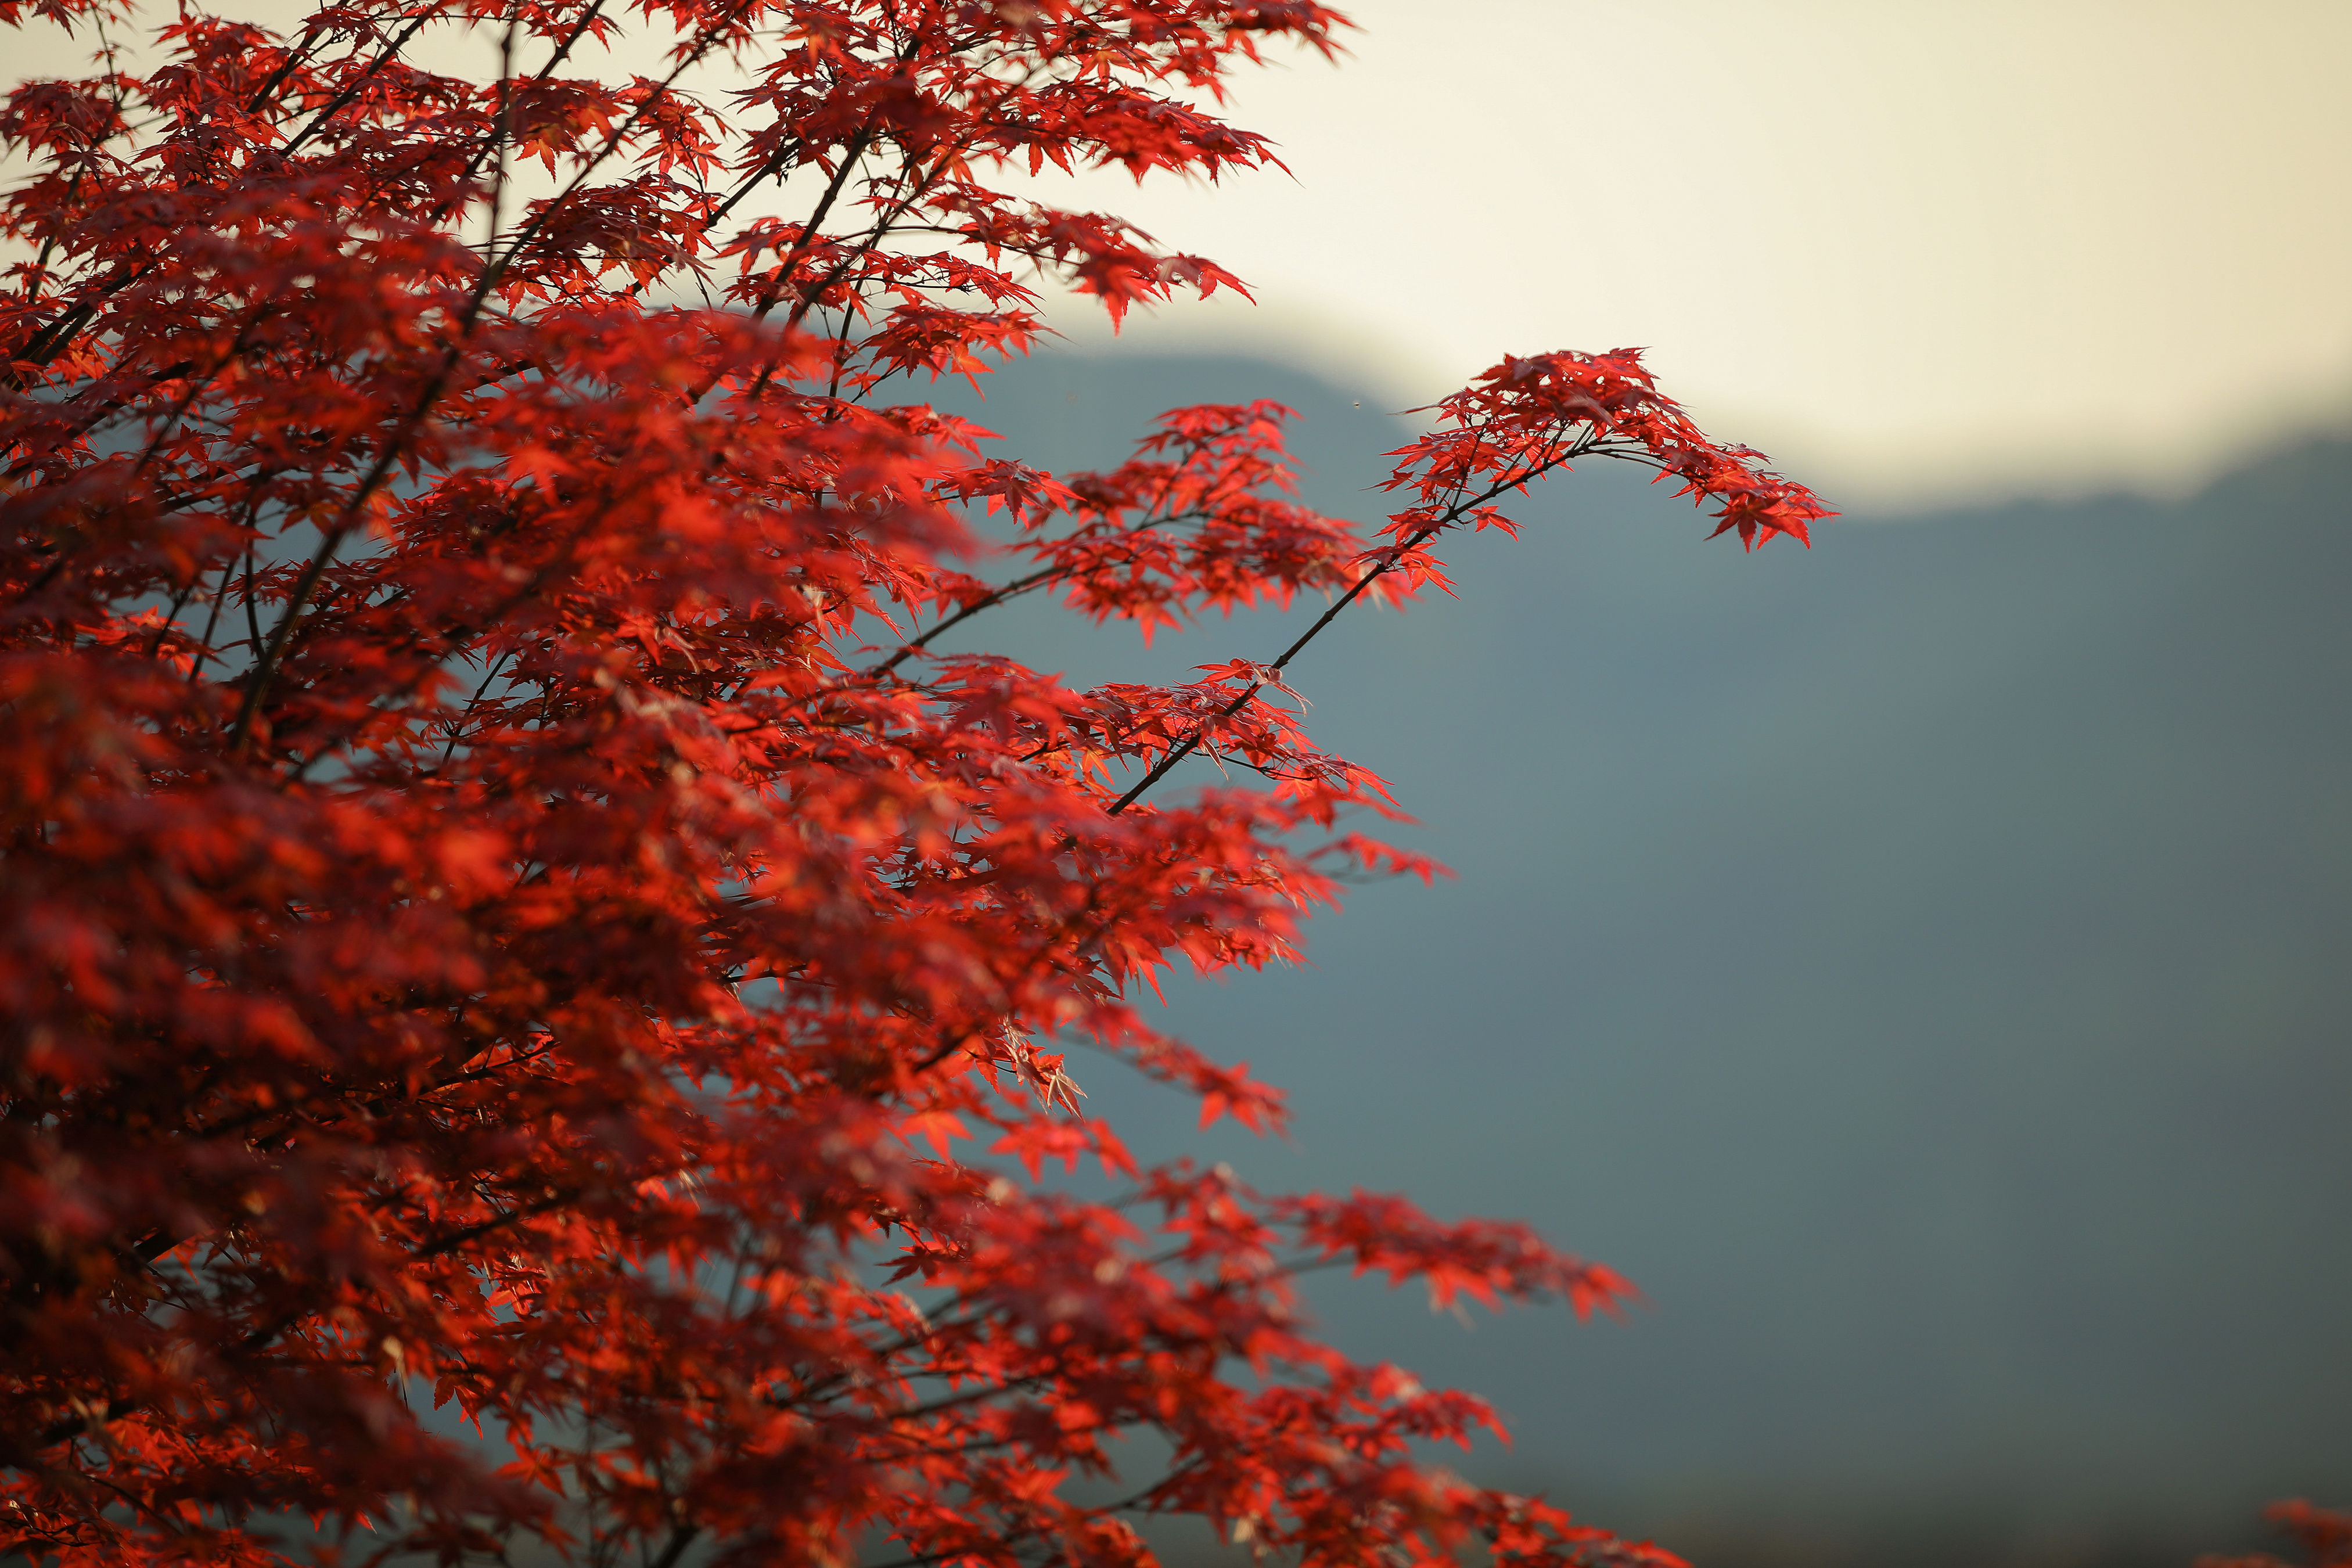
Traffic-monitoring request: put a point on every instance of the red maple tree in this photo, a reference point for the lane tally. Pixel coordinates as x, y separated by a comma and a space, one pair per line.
504, 908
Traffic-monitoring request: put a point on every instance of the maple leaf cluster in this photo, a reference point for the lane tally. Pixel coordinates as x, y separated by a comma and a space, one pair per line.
504, 909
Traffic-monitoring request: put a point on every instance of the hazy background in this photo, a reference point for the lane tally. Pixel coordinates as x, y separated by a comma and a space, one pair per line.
1920, 962
1923, 962
1924, 250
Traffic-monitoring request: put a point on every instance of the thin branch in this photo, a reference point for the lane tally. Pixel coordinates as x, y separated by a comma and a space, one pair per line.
1018, 586
1448, 518
204, 643
1012, 590
332, 537
473, 164
342, 100
73, 186
499, 266
680, 1539
458, 729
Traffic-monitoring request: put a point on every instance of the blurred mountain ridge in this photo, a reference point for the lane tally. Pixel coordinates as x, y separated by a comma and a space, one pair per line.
1922, 961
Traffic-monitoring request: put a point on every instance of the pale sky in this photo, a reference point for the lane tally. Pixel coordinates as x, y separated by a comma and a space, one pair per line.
1918, 250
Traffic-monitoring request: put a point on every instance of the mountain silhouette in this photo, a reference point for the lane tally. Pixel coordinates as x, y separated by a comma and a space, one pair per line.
1923, 963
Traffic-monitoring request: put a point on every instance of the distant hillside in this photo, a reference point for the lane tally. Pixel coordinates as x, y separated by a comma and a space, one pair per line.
1923, 963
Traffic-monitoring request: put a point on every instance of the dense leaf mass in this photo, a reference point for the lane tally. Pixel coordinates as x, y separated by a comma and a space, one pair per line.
504, 909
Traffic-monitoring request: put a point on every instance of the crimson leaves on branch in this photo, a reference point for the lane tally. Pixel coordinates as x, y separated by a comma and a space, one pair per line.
486, 924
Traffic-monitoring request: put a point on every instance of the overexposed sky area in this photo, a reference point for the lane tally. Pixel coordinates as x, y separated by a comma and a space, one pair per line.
1916, 249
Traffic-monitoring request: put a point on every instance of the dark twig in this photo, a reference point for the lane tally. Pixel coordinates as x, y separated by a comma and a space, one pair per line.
1448, 518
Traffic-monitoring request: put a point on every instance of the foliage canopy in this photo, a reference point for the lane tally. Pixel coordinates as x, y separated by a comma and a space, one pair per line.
484, 920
